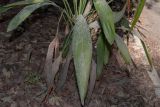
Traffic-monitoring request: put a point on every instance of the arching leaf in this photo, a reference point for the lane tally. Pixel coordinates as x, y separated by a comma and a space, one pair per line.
138, 13
147, 54
123, 49
25, 2
118, 15
24, 13
4, 9
102, 54
106, 17
19, 3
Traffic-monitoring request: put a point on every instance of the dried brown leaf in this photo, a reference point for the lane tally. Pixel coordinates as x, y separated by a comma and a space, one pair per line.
88, 8
50, 67
64, 70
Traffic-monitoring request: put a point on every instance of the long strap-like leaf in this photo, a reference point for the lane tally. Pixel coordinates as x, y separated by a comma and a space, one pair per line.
24, 13
102, 54
19, 3
118, 15
82, 54
138, 13
123, 49
106, 17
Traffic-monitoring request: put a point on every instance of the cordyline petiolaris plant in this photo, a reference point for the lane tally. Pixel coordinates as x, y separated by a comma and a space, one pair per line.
82, 17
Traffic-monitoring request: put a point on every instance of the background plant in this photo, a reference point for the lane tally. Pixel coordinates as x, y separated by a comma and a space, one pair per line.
78, 15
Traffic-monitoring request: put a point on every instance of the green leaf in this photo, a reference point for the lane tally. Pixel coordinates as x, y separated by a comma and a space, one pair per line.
102, 54
125, 23
106, 17
147, 54
118, 15
139, 35
66, 44
25, 2
138, 13
19, 3
82, 6
106, 54
123, 49
4, 9
25, 13
82, 54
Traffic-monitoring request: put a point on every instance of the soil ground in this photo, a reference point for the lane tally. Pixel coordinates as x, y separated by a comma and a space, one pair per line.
22, 82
